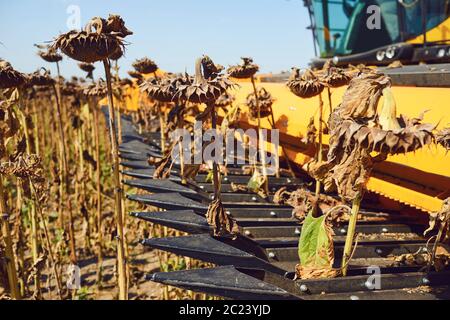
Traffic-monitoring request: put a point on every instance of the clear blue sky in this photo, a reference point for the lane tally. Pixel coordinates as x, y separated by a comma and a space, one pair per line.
171, 32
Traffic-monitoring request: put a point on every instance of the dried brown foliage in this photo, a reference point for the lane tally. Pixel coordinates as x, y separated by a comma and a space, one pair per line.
304, 85
361, 98
443, 138
356, 133
222, 223
265, 103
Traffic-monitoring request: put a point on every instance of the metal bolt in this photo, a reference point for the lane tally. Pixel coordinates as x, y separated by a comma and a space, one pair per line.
297, 231
303, 288
425, 281
424, 249
343, 231
289, 180
212, 197
271, 255
379, 251
247, 232
354, 297
227, 212
273, 214
384, 230
225, 179
254, 198
202, 187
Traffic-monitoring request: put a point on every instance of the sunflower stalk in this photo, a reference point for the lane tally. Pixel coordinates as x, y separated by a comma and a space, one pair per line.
121, 262
99, 193
260, 142
351, 232
64, 183
319, 146
34, 224
9, 253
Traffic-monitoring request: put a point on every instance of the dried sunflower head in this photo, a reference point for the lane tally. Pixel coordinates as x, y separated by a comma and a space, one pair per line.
201, 89
136, 75
87, 67
361, 98
224, 100
304, 85
265, 103
10, 78
243, 71
349, 161
100, 39
125, 82
97, 89
117, 54
443, 138
48, 53
210, 69
162, 89
38, 78
332, 76
145, 66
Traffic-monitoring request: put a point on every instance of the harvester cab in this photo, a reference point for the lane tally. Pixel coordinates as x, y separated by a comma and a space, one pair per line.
379, 32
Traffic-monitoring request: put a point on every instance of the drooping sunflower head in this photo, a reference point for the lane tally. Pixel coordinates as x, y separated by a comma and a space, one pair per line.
443, 138
100, 40
304, 84
40, 77
201, 89
245, 70
161, 89
10, 78
332, 76
145, 66
48, 54
265, 101
96, 89
225, 100
136, 75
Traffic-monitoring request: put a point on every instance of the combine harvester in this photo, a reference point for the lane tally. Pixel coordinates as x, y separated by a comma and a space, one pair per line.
412, 47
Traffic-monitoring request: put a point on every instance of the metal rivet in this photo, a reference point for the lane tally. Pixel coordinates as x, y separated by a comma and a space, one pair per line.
354, 298
289, 180
271, 255
297, 231
424, 249
254, 198
273, 214
425, 281
225, 179
202, 187
379, 251
343, 231
292, 108
227, 212
303, 288
247, 232
384, 230
212, 197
